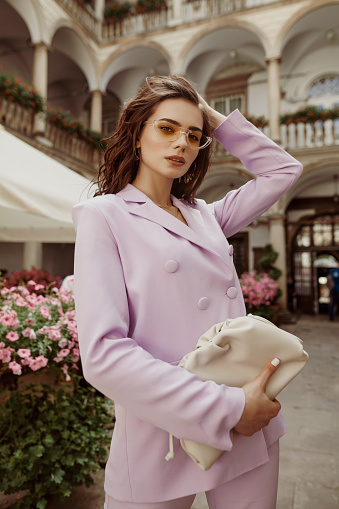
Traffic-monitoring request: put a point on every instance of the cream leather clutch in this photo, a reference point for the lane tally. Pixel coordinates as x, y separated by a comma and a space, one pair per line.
233, 353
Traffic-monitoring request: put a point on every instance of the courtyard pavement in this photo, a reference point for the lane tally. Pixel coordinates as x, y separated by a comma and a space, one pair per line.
309, 464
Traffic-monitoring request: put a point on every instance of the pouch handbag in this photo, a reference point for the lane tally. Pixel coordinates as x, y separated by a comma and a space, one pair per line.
233, 353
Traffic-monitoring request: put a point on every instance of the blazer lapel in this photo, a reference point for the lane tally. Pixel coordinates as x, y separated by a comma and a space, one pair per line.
144, 207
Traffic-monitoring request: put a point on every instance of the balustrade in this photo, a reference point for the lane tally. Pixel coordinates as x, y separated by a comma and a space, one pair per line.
16, 117
191, 10
317, 134
20, 119
302, 136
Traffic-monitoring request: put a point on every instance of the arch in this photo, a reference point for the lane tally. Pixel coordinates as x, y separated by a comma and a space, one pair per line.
303, 11
117, 62
29, 11
76, 47
220, 25
313, 174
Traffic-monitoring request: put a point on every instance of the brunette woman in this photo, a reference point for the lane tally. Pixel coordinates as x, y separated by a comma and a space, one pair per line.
153, 272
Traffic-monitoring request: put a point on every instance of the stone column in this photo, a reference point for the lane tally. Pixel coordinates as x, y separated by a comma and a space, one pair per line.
278, 241
32, 255
176, 11
274, 96
99, 9
40, 81
96, 111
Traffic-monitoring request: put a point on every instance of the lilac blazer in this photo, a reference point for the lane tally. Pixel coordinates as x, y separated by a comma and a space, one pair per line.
146, 287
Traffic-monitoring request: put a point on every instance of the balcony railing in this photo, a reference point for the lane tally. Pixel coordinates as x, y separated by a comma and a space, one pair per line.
136, 24
302, 136
190, 10
316, 134
21, 120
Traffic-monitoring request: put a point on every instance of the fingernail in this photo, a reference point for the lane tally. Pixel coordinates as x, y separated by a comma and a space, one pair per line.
275, 362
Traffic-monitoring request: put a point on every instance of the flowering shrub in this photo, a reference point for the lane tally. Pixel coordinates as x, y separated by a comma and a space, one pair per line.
259, 122
14, 89
63, 120
39, 276
309, 114
116, 11
37, 331
52, 440
260, 292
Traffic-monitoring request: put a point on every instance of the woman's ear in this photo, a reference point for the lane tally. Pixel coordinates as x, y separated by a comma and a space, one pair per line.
137, 144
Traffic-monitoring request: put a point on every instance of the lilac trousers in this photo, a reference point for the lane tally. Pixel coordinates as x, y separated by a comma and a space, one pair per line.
256, 489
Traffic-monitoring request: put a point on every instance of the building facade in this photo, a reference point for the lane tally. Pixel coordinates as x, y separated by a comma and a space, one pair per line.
269, 58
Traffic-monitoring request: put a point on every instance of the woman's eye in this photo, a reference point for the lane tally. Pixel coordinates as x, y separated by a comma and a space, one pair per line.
193, 137
167, 129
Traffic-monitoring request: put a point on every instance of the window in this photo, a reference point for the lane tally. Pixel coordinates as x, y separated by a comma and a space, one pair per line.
227, 104
324, 92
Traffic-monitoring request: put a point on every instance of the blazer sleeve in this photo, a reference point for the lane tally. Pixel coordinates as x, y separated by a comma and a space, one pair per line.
167, 396
275, 170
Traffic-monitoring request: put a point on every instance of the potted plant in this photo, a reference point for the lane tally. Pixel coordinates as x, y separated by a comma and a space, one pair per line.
260, 292
53, 436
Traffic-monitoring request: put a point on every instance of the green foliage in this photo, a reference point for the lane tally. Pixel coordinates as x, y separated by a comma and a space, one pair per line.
309, 114
14, 89
266, 263
116, 11
74, 127
259, 122
51, 441
40, 276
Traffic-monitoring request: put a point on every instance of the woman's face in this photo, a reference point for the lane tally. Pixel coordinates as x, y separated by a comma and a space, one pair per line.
163, 159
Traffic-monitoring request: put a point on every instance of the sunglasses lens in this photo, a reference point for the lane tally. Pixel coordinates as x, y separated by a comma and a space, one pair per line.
171, 132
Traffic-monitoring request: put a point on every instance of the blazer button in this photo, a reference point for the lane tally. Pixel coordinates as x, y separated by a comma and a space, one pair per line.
230, 250
171, 266
203, 303
232, 292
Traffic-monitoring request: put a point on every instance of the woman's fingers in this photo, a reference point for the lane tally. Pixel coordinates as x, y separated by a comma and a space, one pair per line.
259, 409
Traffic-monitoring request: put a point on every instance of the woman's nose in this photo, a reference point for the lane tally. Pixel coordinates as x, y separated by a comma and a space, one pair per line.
182, 141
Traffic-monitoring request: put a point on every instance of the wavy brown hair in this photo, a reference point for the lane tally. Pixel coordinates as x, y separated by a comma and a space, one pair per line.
121, 165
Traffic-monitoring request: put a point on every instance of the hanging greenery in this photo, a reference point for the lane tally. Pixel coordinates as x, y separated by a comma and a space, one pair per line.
309, 114
14, 89
74, 127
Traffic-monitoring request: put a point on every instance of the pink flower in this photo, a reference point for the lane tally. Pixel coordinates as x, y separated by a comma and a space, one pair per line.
26, 361
30, 321
63, 343
5, 354
75, 355
24, 352
7, 320
44, 311
39, 287
38, 363
12, 336
64, 352
54, 334
29, 333
15, 367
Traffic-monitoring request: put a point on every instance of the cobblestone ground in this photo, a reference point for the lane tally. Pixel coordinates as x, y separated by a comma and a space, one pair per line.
309, 465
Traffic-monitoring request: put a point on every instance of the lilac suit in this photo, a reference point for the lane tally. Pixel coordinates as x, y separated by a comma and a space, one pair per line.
146, 287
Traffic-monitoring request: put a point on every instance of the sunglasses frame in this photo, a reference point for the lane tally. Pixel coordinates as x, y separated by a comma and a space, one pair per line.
181, 130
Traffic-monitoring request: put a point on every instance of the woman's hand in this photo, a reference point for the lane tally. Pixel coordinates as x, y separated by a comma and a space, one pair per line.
259, 409
214, 116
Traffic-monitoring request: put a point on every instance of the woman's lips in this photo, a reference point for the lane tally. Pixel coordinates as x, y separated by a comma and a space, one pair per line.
176, 160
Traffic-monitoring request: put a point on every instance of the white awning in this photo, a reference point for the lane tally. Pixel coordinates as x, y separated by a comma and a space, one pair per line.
37, 194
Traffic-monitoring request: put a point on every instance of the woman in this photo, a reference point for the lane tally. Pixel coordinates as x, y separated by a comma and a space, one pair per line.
153, 272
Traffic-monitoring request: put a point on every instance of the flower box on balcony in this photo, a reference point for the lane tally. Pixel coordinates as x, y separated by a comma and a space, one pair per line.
15, 90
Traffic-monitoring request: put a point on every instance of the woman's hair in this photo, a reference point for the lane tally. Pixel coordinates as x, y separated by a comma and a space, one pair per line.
121, 163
